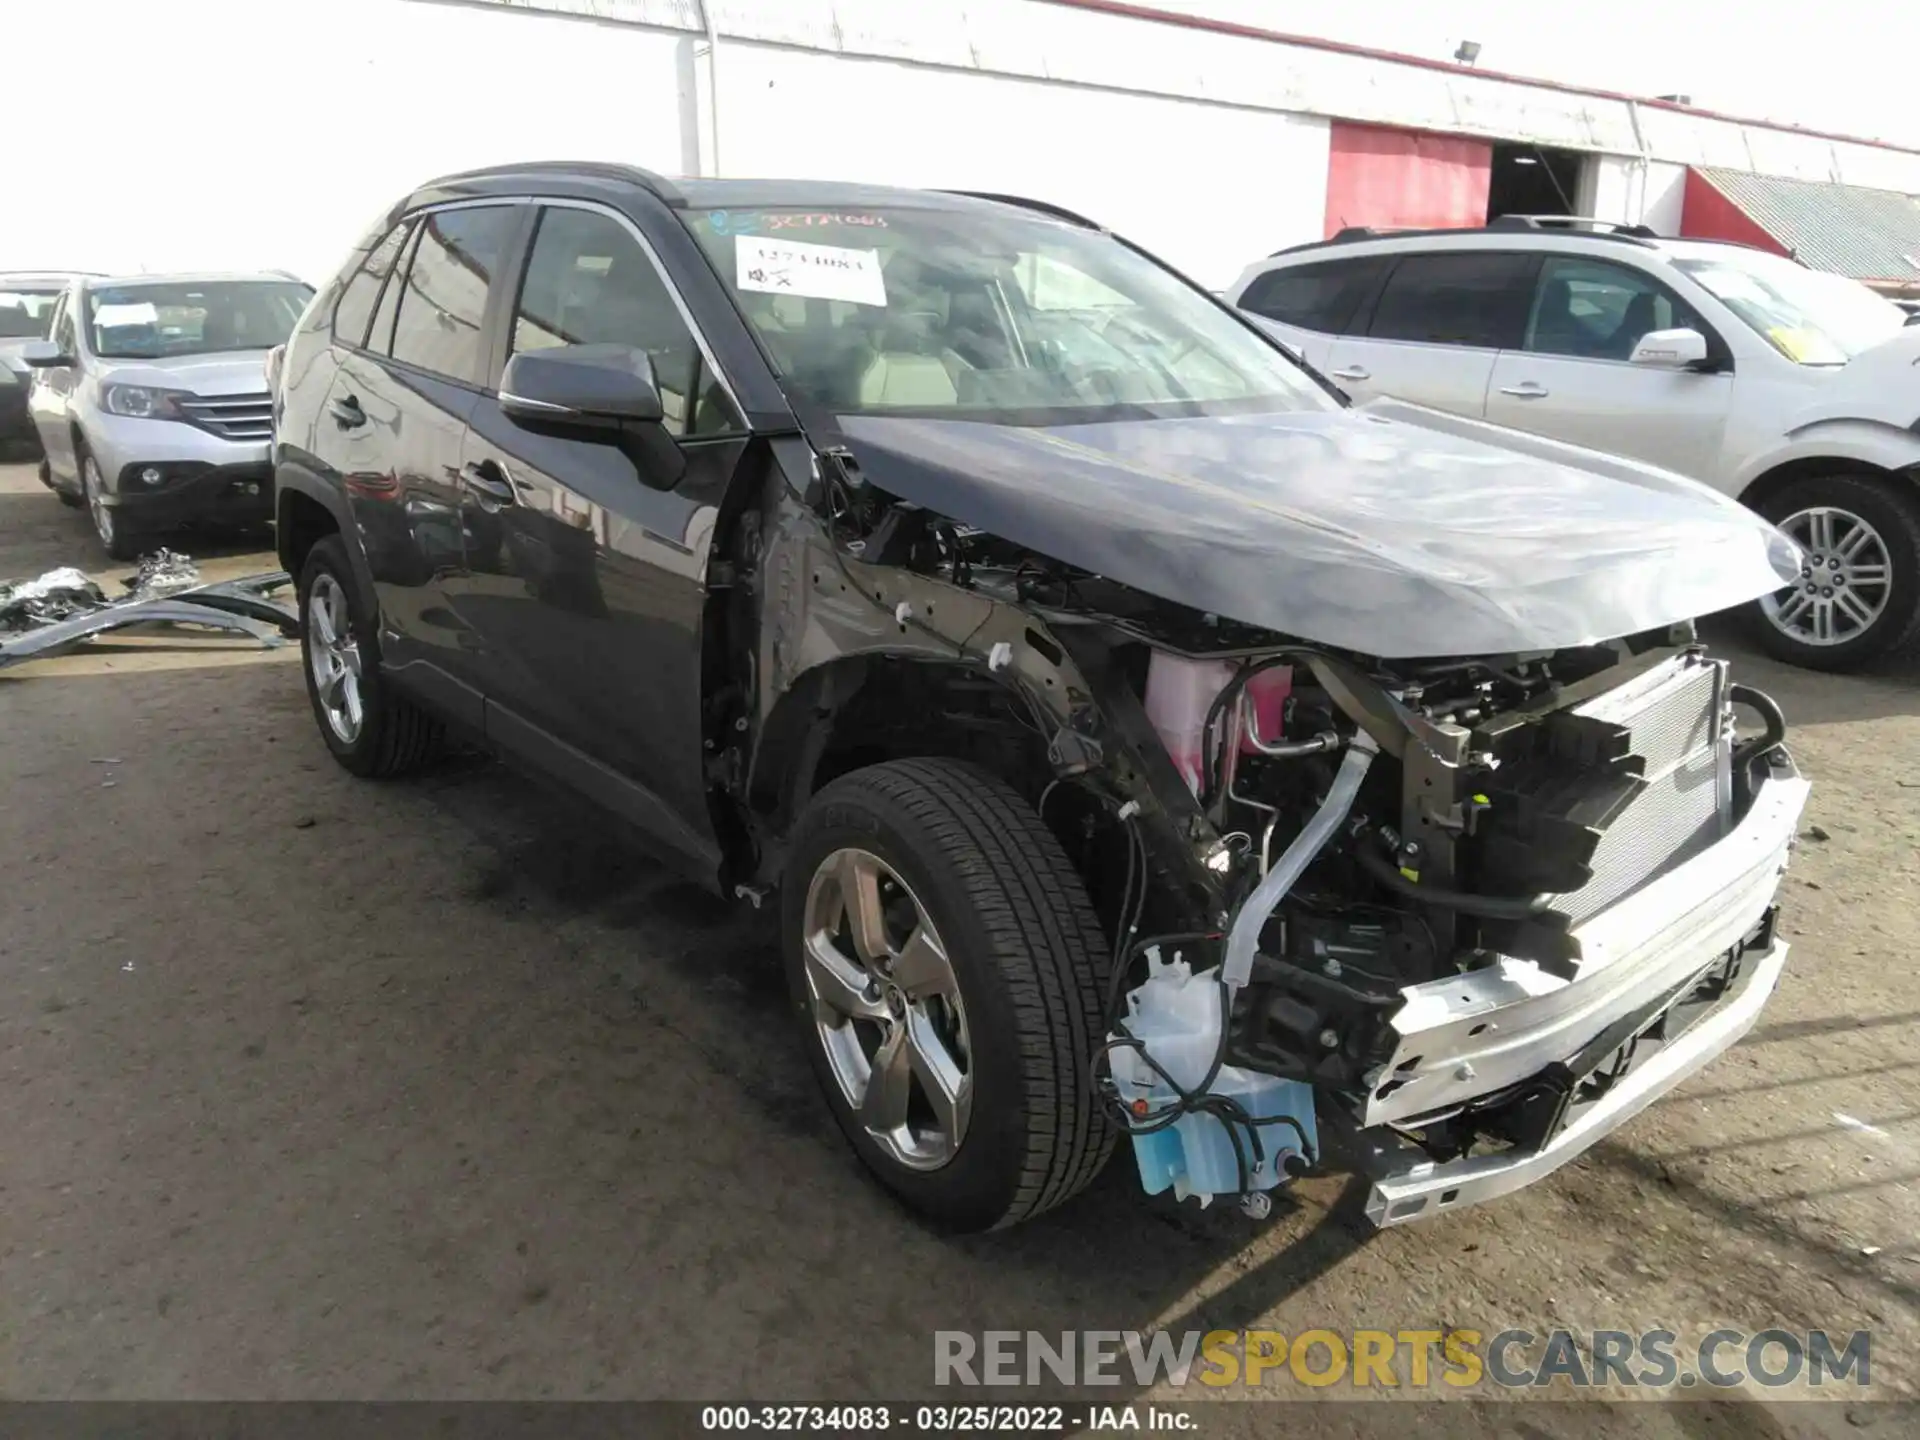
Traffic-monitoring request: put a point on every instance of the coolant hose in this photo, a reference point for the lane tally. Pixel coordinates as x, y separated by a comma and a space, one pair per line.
1243, 941
1769, 711
1487, 907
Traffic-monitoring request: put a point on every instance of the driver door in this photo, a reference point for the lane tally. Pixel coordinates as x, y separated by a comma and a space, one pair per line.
1570, 379
585, 585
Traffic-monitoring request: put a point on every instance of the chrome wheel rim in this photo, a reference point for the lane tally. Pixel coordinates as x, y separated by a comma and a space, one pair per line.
97, 506
1846, 578
333, 658
887, 1008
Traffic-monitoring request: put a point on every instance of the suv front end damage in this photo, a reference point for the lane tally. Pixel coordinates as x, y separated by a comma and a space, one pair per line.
1447, 919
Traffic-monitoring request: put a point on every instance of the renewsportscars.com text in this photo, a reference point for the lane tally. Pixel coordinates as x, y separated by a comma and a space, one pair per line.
1417, 1359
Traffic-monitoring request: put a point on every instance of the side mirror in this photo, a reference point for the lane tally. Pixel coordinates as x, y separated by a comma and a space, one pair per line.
43, 355
599, 393
1671, 349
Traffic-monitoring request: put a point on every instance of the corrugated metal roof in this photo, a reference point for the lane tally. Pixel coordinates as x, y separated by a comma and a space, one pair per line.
1847, 229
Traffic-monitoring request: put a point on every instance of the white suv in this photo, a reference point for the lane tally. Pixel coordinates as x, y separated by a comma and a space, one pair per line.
1795, 391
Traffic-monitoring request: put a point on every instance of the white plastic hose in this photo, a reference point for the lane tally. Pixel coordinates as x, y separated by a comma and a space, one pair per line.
1244, 939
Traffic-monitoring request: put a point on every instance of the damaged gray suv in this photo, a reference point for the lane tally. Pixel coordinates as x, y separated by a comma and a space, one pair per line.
1138, 742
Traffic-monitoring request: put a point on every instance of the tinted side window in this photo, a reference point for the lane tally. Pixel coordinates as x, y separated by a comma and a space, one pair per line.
1464, 298
1319, 297
588, 282
355, 307
1592, 310
445, 297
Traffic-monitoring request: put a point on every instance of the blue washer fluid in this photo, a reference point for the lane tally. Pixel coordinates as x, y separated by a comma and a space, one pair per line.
1177, 1015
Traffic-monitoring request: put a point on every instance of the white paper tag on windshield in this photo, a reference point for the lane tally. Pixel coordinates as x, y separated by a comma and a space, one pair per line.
138, 312
821, 272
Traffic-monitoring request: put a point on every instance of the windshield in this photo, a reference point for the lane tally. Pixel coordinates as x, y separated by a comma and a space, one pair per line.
27, 314
1810, 317
970, 314
152, 322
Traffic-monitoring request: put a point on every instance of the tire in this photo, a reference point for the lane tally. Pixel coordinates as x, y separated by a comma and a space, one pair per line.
1891, 513
119, 542
1027, 960
393, 735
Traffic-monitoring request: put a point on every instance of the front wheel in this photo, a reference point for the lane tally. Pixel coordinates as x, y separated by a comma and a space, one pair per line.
947, 971
1857, 595
115, 538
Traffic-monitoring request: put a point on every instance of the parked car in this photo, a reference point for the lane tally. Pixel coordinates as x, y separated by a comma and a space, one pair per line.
26, 313
1911, 309
151, 405
1132, 738
1792, 390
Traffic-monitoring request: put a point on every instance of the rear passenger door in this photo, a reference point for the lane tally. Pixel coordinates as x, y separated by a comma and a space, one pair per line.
586, 586
1437, 326
1569, 378
1311, 305
395, 420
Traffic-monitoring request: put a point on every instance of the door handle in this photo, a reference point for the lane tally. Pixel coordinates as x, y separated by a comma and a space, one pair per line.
347, 413
1353, 372
487, 480
1525, 390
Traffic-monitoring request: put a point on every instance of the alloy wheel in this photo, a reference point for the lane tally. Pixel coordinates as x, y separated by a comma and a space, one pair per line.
887, 1008
333, 655
1846, 578
97, 506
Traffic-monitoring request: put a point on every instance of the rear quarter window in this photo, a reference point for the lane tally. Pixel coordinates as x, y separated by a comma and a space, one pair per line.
354, 311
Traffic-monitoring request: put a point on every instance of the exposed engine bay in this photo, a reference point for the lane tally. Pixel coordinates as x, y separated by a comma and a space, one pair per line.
1343, 891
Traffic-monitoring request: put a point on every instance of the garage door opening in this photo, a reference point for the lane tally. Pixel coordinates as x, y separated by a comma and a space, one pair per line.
1534, 180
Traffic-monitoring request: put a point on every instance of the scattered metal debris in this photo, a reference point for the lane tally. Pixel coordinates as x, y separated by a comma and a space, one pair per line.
47, 598
162, 573
63, 609
1862, 1126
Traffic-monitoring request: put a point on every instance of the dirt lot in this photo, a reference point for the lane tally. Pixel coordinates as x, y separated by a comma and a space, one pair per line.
322, 1089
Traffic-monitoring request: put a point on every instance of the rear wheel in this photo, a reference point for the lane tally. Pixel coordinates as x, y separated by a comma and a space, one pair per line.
1858, 592
369, 728
947, 971
119, 542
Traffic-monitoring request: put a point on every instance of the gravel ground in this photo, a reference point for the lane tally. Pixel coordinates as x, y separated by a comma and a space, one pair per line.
322, 1089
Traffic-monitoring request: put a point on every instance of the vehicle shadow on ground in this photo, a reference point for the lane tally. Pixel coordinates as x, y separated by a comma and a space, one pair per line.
31, 529
1111, 1259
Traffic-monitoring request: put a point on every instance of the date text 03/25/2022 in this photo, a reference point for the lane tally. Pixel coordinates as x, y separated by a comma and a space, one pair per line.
945, 1419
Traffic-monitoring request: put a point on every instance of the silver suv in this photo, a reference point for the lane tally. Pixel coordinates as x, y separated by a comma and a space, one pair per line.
150, 400
1794, 391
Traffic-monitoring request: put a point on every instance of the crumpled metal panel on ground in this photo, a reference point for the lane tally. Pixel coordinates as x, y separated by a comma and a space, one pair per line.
62, 609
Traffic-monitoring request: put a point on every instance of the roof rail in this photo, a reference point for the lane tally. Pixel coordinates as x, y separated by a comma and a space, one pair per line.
1351, 233
659, 185
1607, 229
1044, 207
1641, 235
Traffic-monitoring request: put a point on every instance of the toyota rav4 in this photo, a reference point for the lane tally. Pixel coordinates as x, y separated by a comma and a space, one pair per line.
1136, 741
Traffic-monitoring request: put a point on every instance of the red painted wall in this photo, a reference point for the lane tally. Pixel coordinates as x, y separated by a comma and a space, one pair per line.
1707, 214
1383, 177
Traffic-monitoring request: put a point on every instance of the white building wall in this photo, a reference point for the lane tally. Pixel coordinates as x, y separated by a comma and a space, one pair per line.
1207, 187
365, 102
1209, 148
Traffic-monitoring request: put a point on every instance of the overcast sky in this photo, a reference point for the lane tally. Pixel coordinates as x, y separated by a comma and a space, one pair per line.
1846, 65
